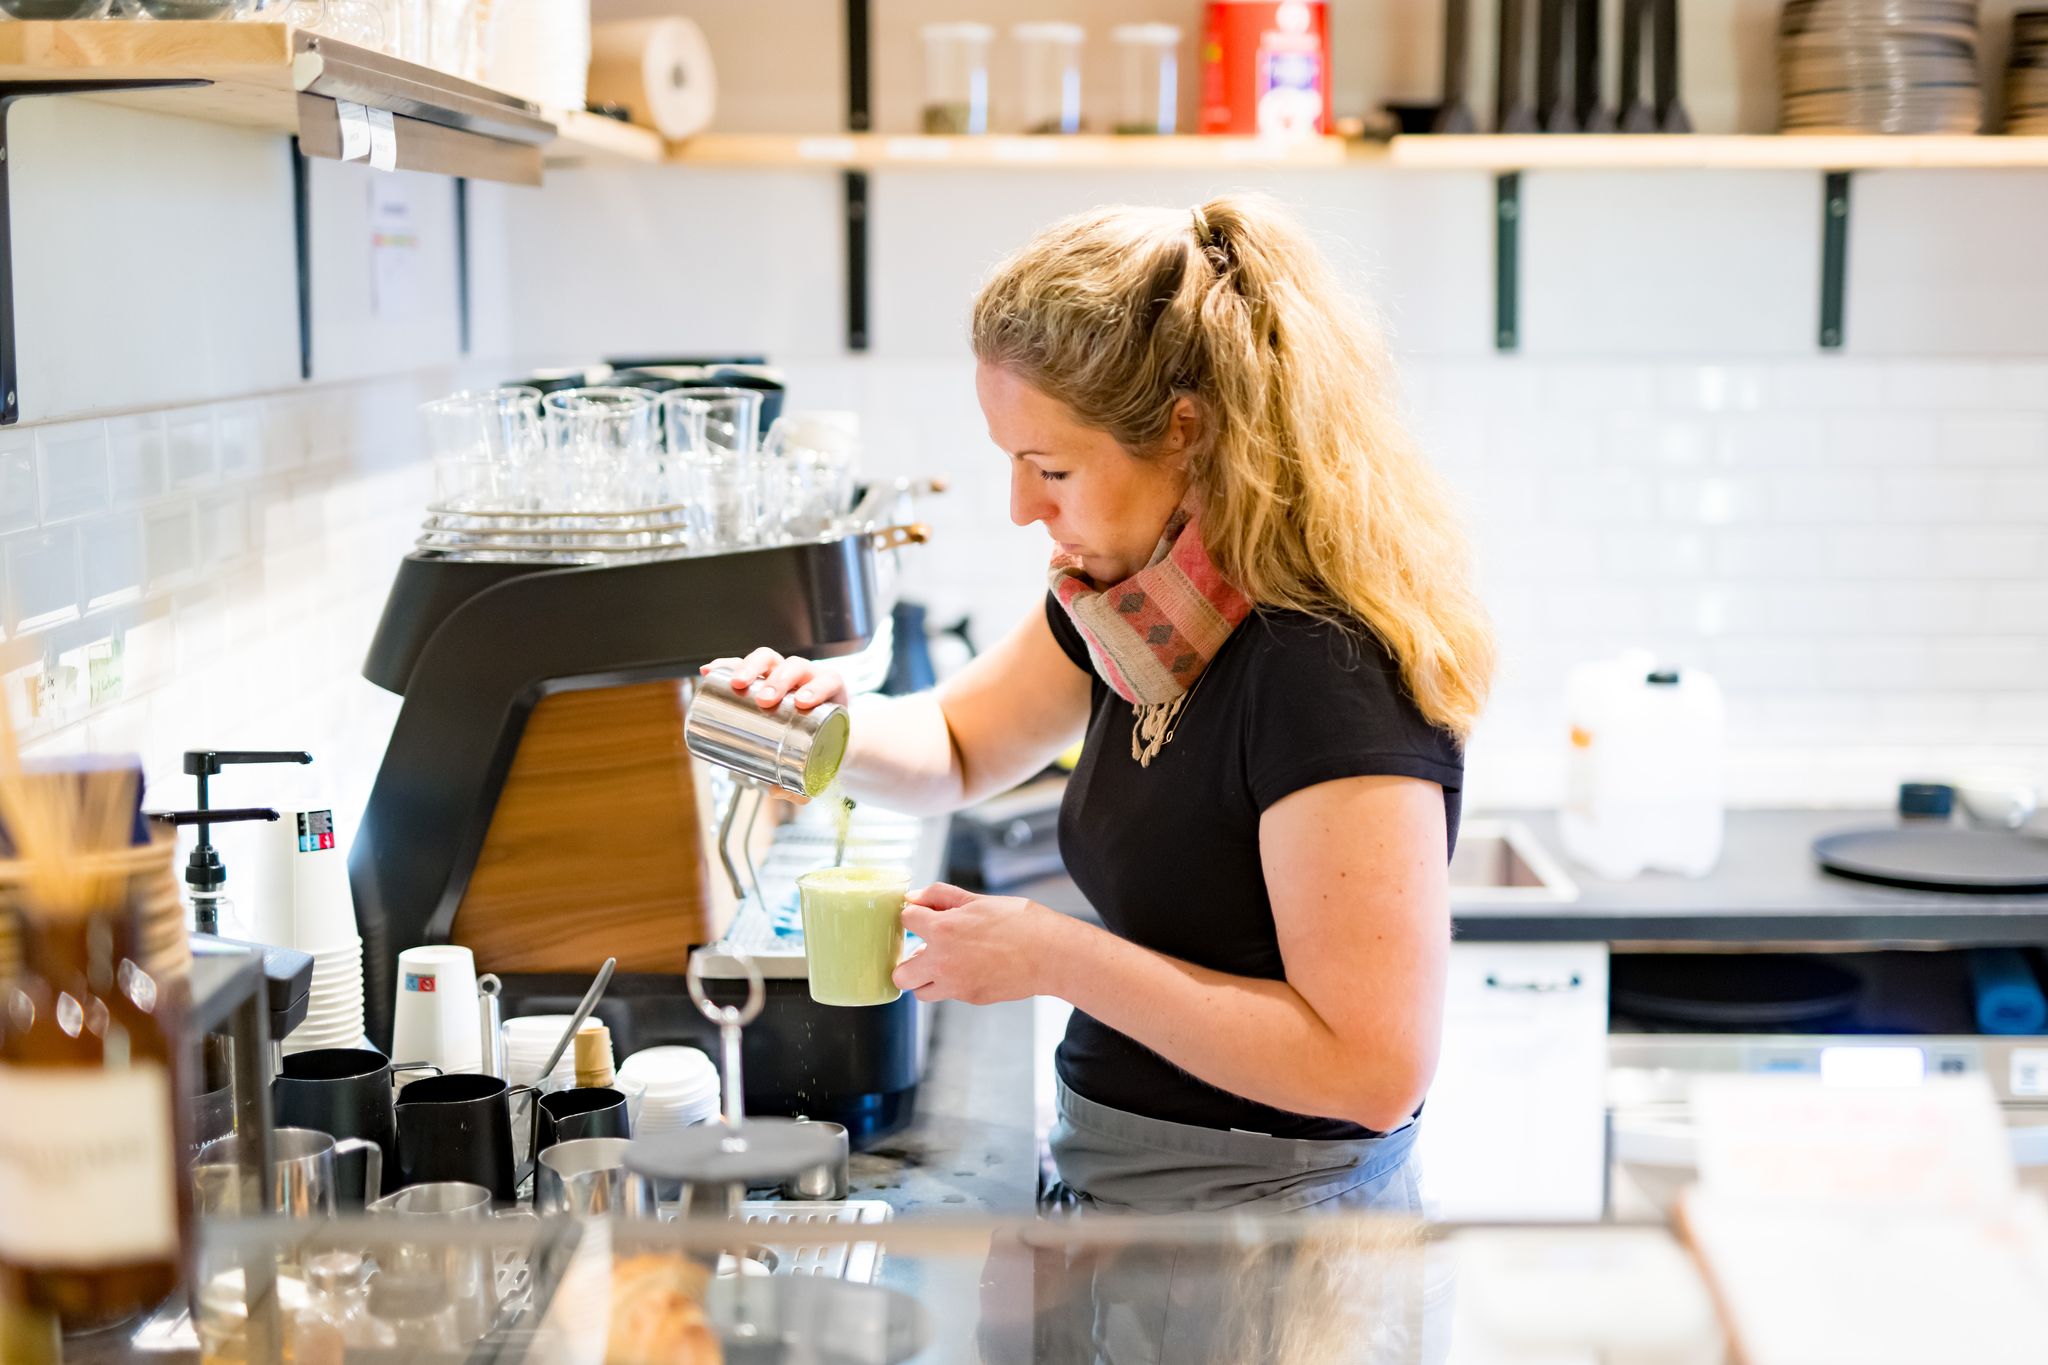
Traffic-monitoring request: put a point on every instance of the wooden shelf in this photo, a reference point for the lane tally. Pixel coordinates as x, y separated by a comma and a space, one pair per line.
874, 151
1697, 151
870, 151
275, 77
592, 139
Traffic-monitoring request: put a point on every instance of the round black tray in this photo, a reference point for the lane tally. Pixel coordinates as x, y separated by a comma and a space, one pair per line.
1940, 858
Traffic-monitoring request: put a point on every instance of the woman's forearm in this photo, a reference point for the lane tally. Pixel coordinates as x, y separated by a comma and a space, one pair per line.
1255, 1038
900, 754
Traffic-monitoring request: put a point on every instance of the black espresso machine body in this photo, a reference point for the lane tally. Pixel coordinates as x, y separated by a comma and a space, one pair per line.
474, 648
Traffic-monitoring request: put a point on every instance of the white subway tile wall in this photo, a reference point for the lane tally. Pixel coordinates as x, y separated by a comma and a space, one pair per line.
1856, 548
227, 600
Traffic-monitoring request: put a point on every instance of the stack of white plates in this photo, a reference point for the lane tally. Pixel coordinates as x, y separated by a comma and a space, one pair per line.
334, 1017
681, 1088
529, 1039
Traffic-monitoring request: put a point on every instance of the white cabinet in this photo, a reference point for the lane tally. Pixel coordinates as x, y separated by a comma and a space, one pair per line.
1515, 1126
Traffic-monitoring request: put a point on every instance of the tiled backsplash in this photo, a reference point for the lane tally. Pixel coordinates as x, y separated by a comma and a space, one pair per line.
1858, 550
208, 577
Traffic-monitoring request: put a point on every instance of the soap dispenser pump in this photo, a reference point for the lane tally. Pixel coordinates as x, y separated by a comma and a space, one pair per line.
204, 872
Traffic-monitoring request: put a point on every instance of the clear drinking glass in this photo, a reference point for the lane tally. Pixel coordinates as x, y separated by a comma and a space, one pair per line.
956, 77
602, 440
486, 448
713, 447
451, 36
1049, 60
1149, 93
810, 463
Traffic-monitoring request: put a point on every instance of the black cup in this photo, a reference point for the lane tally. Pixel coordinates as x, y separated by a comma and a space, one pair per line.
344, 1092
457, 1128
586, 1112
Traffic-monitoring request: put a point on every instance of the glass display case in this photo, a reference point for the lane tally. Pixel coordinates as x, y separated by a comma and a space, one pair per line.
790, 1283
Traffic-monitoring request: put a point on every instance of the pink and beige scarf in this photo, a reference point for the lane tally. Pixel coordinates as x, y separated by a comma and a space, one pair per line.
1151, 635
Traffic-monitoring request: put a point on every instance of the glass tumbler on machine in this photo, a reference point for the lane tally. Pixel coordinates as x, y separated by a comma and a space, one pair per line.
956, 77
1049, 63
714, 443
486, 447
602, 439
1148, 56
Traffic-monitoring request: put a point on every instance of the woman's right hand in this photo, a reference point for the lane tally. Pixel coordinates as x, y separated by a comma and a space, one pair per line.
768, 677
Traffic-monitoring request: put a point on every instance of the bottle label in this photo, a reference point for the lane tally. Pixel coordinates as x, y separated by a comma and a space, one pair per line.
86, 1166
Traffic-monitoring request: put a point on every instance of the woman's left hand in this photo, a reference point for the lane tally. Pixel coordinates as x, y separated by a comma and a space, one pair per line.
980, 949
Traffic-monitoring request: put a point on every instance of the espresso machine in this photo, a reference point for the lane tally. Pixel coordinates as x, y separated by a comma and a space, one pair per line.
537, 802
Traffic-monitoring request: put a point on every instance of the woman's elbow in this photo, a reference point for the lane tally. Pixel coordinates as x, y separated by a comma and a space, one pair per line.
1389, 1097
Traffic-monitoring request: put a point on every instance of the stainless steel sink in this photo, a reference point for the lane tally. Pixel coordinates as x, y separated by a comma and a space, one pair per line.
1499, 862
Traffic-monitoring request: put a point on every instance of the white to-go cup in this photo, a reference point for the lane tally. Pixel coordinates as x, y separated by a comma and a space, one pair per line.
434, 1018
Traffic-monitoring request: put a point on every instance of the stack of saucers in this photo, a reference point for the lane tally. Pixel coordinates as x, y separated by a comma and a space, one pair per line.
1879, 66
334, 1016
2026, 75
681, 1088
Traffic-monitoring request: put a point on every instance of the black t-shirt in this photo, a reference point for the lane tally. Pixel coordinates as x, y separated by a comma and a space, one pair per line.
1169, 854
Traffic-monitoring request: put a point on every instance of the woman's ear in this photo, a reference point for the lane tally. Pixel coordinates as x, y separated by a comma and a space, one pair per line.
1183, 427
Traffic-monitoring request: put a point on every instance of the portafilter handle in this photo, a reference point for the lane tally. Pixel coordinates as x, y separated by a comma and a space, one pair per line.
730, 1020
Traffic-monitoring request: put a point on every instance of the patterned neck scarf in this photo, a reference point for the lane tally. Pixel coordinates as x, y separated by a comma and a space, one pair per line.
1151, 635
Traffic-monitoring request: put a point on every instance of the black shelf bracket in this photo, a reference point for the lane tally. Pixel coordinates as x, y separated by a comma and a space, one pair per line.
462, 259
302, 245
1507, 261
1834, 259
859, 119
10, 92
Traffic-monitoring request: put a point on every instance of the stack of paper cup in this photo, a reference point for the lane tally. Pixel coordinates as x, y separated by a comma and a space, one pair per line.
529, 1039
681, 1088
300, 879
434, 1017
334, 1014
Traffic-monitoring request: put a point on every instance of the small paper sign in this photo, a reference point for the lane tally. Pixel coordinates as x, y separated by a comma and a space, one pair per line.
383, 140
355, 130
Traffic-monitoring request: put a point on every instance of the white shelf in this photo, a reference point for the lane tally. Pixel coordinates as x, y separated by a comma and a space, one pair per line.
1483, 152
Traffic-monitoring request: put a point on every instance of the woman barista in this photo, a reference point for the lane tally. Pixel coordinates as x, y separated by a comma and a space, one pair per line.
1260, 618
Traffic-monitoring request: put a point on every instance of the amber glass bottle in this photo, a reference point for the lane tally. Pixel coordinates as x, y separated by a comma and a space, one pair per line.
97, 1221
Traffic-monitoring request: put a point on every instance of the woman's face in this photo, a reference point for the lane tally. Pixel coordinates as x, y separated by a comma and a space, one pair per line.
1095, 499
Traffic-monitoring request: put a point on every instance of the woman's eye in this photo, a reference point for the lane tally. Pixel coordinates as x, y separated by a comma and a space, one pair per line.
1052, 476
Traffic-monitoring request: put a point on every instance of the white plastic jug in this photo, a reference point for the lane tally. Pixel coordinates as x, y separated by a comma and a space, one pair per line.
1645, 772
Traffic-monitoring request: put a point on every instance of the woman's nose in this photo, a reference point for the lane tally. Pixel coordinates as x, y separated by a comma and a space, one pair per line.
1027, 503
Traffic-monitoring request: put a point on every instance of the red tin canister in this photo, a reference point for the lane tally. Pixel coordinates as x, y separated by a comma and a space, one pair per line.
1266, 68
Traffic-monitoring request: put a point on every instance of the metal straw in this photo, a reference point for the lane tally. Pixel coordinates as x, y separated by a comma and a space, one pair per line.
589, 1003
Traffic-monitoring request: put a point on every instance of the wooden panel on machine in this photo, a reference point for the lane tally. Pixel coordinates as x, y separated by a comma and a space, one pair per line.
594, 850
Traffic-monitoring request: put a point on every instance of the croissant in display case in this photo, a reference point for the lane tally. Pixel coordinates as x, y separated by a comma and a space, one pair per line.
657, 1315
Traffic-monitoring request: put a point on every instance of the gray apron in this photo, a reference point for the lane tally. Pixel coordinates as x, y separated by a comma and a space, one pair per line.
1125, 1163
1343, 1293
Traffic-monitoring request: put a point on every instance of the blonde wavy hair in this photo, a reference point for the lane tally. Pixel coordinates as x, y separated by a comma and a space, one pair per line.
1313, 497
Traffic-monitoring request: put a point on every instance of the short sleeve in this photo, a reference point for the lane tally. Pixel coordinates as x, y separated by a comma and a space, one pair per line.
1328, 703
1068, 634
